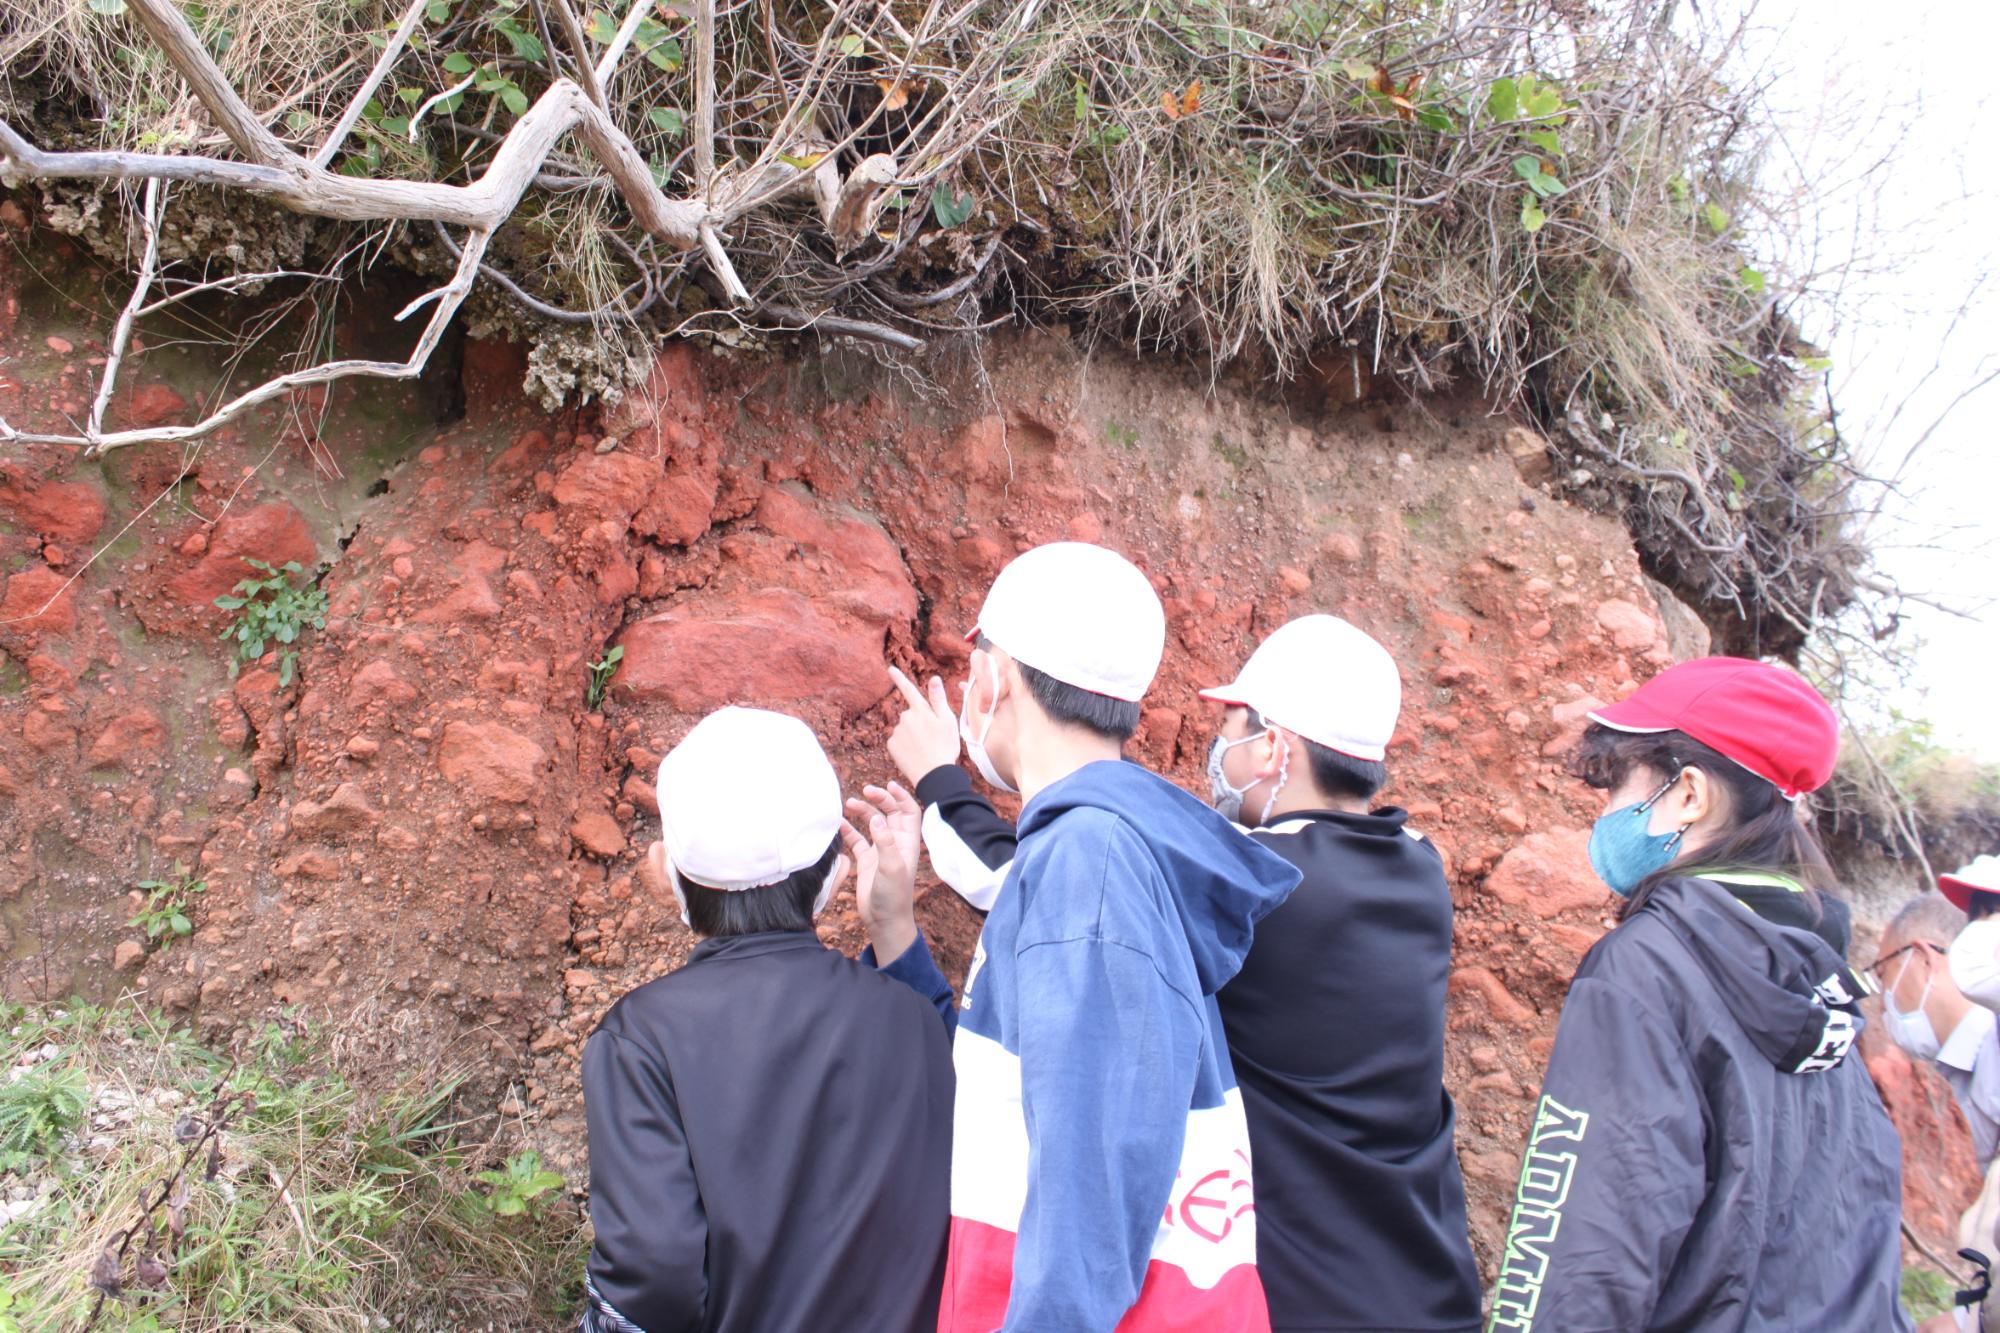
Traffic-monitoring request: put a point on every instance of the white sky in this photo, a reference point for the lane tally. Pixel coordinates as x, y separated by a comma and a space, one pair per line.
1887, 113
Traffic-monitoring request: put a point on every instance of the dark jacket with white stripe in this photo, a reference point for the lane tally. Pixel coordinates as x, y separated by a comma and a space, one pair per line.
1705, 1157
770, 1146
1336, 1027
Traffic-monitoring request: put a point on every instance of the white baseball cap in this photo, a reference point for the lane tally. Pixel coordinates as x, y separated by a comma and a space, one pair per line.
747, 798
1080, 613
1324, 679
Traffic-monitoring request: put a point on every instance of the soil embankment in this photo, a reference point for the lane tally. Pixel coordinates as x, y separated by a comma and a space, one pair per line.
429, 837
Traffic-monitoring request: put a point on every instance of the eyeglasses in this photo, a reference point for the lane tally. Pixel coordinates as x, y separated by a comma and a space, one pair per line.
1889, 957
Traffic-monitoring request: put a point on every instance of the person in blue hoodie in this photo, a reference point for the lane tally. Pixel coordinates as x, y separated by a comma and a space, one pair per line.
1102, 1176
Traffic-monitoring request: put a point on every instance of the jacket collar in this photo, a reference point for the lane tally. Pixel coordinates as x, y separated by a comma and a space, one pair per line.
757, 945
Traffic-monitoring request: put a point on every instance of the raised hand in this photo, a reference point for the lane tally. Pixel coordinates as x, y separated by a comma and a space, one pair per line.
926, 735
885, 865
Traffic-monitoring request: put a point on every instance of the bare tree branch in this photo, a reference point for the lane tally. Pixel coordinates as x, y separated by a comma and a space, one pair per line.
397, 41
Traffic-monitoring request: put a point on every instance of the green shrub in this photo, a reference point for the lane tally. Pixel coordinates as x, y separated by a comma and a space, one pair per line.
272, 609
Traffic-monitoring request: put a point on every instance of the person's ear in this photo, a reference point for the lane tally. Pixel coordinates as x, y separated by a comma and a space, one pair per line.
1271, 749
843, 866
1694, 798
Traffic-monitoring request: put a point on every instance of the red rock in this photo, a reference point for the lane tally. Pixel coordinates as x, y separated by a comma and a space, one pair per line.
273, 533
598, 833
1630, 627
1530, 453
491, 762
677, 510
773, 649
378, 682
64, 511
981, 556
132, 737
59, 345
472, 599
38, 601
47, 730
11, 215
610, 485
1293, 581
1490, 995
641, 794
154, 405
128, 955
523, 454
1343, 547
1086, 527
312, 863
1549, 873
347, 811
1571, 720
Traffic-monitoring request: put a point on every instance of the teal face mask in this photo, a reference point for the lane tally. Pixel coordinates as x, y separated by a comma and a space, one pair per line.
1623, 852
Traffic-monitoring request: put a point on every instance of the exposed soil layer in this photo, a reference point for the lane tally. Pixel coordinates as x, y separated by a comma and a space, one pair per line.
429, 838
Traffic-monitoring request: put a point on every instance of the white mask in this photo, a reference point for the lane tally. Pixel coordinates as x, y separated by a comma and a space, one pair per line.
1974, 959
1911, 1028
1227, 799
976, 745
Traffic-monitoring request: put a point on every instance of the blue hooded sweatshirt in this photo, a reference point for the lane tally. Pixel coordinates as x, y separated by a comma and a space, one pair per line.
1101, 1166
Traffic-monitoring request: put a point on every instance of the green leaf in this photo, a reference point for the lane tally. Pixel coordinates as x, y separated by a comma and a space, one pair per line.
1082, 102
1718, 221
801, 163
437, 11
457, 63
1437, 118
1543, 104
513, 98
1532, 216
409, 96
852, 45
950, 209
1678, 188
1751, 280
180, 924
112, 8
1503, 100
1546, 141
668, 119
666, 56
1818, 365
601, 28
1530, 170
229, 603
526, 45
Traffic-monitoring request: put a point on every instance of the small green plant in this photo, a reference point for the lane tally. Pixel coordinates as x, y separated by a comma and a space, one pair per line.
165, 915
1926, 1292
601, 673
272, 608
516, 1186
39, 1109
1125, 437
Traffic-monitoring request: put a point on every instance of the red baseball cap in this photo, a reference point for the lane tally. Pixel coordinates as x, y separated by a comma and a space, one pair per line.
1764, 717
1981, 874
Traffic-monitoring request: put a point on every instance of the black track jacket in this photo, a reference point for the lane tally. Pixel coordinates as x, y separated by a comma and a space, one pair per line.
770, 1146
1705, 1158
1336, 1029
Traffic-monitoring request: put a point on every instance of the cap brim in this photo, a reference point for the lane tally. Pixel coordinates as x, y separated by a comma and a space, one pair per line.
1222, 694
1635, 720
1960, 891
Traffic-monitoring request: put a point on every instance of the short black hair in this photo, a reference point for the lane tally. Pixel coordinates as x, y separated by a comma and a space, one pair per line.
1334, 773
1983, 904
785, 905
1072, 705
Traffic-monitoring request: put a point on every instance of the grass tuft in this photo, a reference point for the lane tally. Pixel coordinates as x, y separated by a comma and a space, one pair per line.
309, 1201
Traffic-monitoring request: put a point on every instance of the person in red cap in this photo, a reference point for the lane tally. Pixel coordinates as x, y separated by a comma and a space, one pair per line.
1704, 1155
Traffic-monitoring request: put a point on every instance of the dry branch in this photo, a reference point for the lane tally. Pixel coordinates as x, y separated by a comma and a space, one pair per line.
307, 186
